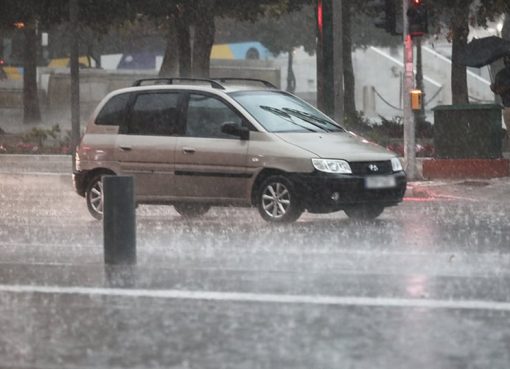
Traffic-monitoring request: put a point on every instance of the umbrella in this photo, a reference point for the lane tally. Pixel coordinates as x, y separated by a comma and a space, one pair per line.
483, 51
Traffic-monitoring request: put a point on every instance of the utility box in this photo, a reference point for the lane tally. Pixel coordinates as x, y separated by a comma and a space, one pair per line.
468, 131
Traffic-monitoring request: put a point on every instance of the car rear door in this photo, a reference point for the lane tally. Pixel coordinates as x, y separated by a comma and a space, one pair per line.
209, 163
146, 144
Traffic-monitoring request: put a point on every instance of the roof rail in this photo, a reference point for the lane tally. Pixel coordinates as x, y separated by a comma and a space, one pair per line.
265, 83
170, 81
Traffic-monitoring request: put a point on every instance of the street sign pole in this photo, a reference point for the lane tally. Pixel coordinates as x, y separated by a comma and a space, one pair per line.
409, 124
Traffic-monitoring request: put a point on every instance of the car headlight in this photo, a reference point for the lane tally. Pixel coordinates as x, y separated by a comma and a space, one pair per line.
396, 165
332, 166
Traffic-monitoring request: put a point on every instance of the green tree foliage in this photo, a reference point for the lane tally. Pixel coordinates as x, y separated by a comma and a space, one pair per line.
182, 19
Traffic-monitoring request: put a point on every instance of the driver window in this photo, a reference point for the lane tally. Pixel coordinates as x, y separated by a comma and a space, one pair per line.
206, 115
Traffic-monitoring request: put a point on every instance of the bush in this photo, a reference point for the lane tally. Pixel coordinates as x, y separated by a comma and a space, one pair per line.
37, 141
390, 133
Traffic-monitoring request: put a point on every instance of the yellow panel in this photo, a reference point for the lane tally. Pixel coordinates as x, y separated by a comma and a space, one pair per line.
83, 60
221, 51
58, 63
64, 62
13, 73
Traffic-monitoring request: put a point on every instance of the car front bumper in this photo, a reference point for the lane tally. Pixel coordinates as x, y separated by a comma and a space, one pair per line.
324, 192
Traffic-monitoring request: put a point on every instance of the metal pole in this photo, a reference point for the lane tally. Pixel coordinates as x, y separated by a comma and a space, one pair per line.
328, 46
75, 77
119, 223
320, 56
409, 127
338, 65
419, 116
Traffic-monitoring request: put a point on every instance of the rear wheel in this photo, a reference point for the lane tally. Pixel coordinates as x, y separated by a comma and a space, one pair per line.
277, 200
364, 212
94, 197
191, 210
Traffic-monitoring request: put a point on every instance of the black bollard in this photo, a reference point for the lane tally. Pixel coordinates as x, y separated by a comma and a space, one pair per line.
120, 276
119, 223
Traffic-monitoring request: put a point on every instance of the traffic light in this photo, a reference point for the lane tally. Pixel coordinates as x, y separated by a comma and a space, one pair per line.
385, 15
320, 16
417, 18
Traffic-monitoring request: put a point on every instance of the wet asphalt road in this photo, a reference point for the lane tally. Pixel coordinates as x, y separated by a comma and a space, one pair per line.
425, 286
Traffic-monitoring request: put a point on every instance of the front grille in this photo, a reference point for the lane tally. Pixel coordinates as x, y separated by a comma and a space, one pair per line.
363, 168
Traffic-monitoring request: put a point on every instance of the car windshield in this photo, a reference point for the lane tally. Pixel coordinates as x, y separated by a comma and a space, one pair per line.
281, 112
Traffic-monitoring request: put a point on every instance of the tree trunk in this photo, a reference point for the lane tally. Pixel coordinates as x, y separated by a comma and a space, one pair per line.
460, 31
349, 83
170, 65
203, 39
183, 46
31, 112
1, 46
505, 32
291, 77
2, 73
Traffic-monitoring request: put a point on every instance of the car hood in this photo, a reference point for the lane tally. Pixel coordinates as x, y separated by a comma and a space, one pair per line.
338, 145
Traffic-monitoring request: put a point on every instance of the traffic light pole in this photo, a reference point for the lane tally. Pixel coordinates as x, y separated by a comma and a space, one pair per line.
409, 124
338, 64
330, 84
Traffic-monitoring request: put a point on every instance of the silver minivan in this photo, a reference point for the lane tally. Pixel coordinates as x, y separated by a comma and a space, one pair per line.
197, 143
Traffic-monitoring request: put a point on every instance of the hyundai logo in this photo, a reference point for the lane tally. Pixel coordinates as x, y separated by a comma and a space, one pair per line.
373, 167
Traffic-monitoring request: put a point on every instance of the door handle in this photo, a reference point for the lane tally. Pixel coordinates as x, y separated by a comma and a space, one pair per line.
125, 148
188, 150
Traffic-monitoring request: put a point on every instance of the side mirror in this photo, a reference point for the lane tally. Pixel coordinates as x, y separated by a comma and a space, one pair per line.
235, 129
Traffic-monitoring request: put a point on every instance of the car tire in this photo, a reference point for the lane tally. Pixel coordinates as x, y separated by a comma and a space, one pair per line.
191, 210
278, 201
94, 196
364, 212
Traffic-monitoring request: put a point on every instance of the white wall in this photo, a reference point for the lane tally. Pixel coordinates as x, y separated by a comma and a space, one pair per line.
378, 73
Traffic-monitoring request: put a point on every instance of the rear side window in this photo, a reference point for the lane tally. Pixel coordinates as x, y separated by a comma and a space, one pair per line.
155, 114
113, 112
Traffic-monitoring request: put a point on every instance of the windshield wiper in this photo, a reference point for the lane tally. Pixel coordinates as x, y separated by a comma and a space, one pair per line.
285, 116
312, 119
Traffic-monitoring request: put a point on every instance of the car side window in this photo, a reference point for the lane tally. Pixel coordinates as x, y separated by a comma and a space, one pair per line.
155, 114
113, 111
206, 115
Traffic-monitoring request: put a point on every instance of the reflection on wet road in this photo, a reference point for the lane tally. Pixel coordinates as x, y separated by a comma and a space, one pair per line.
425, 286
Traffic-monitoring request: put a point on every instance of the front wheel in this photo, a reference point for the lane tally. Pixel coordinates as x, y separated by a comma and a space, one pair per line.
364, 212
191, 210
277, 200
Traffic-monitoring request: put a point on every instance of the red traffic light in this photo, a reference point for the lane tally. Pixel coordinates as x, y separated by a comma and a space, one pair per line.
417, 17
320, 20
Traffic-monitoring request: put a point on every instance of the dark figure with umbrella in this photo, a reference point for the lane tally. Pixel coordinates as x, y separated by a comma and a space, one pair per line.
501, 86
